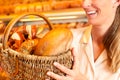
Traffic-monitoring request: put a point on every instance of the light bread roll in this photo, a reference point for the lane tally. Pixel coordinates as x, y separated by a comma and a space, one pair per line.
28, 46
54, 42
46, 6
17, 9
58, 5
31, 7
76, 4
38, 7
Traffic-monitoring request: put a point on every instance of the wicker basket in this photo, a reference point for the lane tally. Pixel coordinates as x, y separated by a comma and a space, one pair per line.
30, 67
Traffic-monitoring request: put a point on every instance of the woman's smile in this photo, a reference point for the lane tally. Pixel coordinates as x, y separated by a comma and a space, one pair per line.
91, 14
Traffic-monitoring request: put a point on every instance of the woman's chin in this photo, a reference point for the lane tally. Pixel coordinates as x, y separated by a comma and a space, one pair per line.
93, 22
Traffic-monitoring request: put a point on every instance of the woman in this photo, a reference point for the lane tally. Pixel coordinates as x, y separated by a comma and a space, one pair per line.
96, 51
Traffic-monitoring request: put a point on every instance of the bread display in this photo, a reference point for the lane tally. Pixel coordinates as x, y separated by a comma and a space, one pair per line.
24, 6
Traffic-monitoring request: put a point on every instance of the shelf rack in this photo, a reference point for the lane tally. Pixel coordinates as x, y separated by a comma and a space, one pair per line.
56, 16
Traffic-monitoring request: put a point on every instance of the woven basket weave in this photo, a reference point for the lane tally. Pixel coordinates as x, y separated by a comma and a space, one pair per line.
30, 67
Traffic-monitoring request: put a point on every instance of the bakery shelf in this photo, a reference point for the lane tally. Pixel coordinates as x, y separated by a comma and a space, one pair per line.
57, 16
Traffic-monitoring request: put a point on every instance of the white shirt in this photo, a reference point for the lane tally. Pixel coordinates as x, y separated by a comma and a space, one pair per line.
98, 70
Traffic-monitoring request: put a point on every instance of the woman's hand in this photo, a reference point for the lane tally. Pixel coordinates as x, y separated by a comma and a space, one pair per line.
71, 74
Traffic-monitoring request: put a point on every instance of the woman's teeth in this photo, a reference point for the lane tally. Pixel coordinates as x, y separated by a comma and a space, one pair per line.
91, 12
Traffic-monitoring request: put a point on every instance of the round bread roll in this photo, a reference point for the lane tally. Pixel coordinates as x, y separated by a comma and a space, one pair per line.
38, 7
76, 4
58, 5
46, 6
54, 42
31, 7
24, 8
17, 9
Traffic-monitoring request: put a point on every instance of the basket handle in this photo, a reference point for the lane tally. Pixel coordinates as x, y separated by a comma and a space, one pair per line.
14, 21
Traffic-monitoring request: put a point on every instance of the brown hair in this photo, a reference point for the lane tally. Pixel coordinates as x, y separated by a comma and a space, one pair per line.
112, 42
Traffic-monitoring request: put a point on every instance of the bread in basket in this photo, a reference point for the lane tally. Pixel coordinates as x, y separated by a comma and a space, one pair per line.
30, 67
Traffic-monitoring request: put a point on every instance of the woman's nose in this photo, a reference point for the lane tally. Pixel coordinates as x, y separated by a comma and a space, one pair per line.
86, 3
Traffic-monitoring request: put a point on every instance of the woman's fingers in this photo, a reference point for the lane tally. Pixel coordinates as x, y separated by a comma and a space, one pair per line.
53, 75
62, 68
76, 60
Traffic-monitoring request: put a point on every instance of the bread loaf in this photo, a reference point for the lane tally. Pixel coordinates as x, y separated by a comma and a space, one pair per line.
28, 46
54, 42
